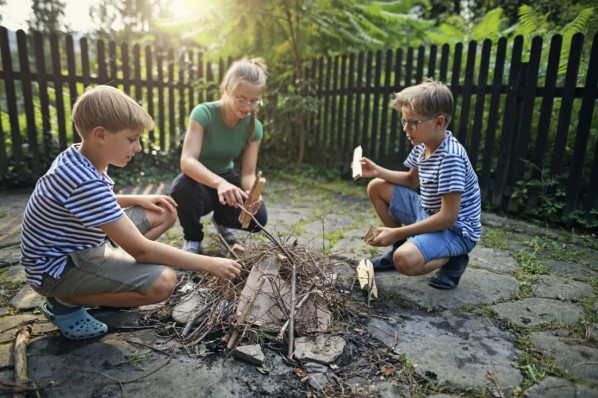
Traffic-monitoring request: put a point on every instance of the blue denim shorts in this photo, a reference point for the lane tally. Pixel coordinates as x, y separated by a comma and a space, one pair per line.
405, 208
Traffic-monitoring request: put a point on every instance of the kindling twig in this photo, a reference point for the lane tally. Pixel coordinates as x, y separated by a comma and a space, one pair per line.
230, 249
293, 282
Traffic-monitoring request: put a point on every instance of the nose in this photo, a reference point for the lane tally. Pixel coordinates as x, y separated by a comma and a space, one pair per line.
137, 147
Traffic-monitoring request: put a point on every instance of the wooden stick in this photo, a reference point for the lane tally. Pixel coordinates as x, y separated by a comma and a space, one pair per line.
356, 166
20, 352
254, 194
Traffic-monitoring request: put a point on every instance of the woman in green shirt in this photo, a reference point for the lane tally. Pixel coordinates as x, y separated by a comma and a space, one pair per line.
217, 133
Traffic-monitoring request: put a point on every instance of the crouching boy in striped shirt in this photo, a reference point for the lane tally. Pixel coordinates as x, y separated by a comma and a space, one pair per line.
433, 231
84, 245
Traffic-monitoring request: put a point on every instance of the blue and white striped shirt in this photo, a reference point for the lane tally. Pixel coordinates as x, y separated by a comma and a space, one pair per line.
449, 170
64, 213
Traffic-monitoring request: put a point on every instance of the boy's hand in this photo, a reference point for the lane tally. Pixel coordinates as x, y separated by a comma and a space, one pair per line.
386, 237
157, 203
226, 268
229, 194
369, 169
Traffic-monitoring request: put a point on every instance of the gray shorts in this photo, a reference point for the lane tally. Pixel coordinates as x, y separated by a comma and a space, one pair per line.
104, 269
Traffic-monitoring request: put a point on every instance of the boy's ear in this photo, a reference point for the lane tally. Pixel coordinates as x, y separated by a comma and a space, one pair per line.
98, 134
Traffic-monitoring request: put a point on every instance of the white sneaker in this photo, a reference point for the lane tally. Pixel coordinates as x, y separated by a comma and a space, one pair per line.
192, 246
226, 232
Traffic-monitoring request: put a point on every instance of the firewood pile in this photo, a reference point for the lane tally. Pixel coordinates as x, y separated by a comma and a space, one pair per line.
275, 274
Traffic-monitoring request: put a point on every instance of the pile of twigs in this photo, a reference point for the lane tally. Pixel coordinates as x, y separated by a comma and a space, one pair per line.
314, 274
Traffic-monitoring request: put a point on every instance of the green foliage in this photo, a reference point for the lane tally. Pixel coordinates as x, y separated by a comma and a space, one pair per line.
147, 168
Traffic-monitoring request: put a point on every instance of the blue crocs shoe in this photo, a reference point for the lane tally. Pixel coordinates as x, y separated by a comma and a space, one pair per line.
384, 262
76, 325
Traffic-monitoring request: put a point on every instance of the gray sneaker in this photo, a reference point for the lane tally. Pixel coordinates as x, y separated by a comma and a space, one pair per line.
226, 232
192, 246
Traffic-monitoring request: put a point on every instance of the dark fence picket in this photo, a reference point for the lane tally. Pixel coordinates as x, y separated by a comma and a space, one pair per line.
333, 140
522, 137
63, 142
465, 96
160, 88
367, 142
455, 78
149, 78
357, 113
477, 131
71, 79
590, 92
493, 119
500, 189
11, 97
340, 155
348, 143
566, 108
102, 64
28, 100
40, 64
172, 126
126, 68
386, 94
376, 146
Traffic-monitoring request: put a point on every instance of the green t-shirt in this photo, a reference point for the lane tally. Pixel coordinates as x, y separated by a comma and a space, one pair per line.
221, 144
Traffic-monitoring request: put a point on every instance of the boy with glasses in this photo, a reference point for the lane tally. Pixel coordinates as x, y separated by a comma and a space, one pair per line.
435, 230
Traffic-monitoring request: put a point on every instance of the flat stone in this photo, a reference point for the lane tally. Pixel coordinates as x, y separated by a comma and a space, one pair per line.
323, 349
250, 353
549, 286
570, 354
27, 299
477, 286
16, 273
553, 387
538, 311
575, 271
456, 349
187, 307
317, 375
495, 260
10, 255
9, 326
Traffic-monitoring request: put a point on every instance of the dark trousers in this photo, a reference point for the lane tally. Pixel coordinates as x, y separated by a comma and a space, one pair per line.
195, 200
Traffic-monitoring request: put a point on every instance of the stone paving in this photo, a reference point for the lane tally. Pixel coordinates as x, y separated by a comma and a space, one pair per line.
529, 292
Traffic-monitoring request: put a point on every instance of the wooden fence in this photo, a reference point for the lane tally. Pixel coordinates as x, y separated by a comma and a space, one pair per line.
527, 128
42, 76
524, 124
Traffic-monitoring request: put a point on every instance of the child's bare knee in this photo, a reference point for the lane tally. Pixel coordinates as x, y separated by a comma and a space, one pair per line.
374, 186
163, 286
404, 266
170, 218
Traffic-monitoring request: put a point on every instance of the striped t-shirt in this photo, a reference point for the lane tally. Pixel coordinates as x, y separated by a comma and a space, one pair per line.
449, 170
64, 213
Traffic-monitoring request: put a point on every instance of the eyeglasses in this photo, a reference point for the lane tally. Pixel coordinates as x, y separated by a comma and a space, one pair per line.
412, 124
253, 103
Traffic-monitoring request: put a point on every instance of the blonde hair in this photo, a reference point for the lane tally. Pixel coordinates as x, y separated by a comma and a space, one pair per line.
110, 108
429, 98
245, 71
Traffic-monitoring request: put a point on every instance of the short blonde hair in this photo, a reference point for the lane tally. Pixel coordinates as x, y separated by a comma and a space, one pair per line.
245, 71
110, 108
430, 98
